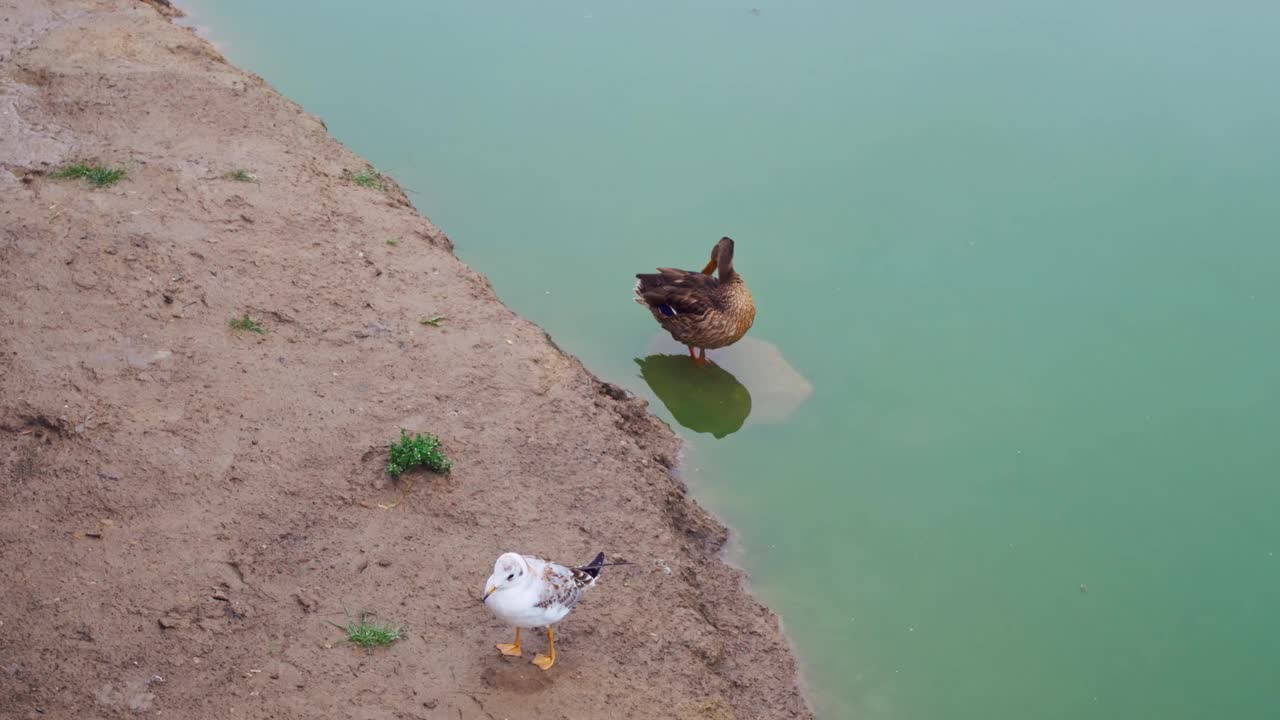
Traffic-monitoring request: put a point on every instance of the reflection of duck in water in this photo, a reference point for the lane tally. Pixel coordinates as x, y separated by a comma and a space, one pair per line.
709, 400
700, 310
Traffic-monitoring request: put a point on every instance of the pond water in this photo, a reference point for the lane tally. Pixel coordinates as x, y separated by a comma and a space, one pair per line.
1003, 442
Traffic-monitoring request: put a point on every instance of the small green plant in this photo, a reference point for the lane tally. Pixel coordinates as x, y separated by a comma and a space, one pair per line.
98, 175
417, 449
433, 321
241, 176
393, 242
368, 178
367, 633
247, 323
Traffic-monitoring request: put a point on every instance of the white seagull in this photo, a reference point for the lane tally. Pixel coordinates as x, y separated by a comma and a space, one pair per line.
529, 592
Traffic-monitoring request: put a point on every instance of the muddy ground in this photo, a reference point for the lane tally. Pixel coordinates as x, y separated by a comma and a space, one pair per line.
186, 508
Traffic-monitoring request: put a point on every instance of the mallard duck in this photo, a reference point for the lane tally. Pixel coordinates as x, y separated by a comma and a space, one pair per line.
701, 310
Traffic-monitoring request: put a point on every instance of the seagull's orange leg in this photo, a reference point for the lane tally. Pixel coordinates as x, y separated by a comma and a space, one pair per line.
512, 650
546, 661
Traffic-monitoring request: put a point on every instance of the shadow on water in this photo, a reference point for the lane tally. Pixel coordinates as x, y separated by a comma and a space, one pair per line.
750, 380
704, 399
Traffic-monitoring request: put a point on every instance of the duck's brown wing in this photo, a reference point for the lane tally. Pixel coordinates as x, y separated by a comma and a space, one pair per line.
675, 292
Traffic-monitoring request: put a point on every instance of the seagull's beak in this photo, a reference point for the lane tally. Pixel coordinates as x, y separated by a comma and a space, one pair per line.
488, 592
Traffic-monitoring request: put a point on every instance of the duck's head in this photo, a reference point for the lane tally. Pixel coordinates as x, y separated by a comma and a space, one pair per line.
722, 258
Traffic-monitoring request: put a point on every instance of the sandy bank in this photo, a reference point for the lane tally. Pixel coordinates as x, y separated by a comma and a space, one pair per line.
184, 508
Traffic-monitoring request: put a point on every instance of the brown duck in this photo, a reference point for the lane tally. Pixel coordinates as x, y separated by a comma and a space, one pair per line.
699, 309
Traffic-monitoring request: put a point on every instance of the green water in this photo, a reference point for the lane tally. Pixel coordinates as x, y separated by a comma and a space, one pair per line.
1026, 254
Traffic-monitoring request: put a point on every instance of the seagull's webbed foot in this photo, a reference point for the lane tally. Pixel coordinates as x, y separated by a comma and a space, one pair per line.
545, 662
512, 649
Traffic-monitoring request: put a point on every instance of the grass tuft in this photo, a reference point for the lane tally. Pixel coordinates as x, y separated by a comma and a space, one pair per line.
414, 450
241, 176
433, 321
393, 242
247, 323
367, 633
99, 175
367, 178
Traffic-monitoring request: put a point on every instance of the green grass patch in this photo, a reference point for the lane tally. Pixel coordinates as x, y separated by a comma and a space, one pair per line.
246, 323
366, 633
433, 321
416, 450
368, 178
98, 175
393, 242
241, 176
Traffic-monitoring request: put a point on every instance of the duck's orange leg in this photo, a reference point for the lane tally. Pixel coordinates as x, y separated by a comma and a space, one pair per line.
692, 354
702, 357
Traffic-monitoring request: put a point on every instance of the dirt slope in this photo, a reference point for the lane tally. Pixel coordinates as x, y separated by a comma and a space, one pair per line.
184, 508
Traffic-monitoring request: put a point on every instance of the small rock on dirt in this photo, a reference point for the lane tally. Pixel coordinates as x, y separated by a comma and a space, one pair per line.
173, 621
308, 603
373, 329
613, 391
